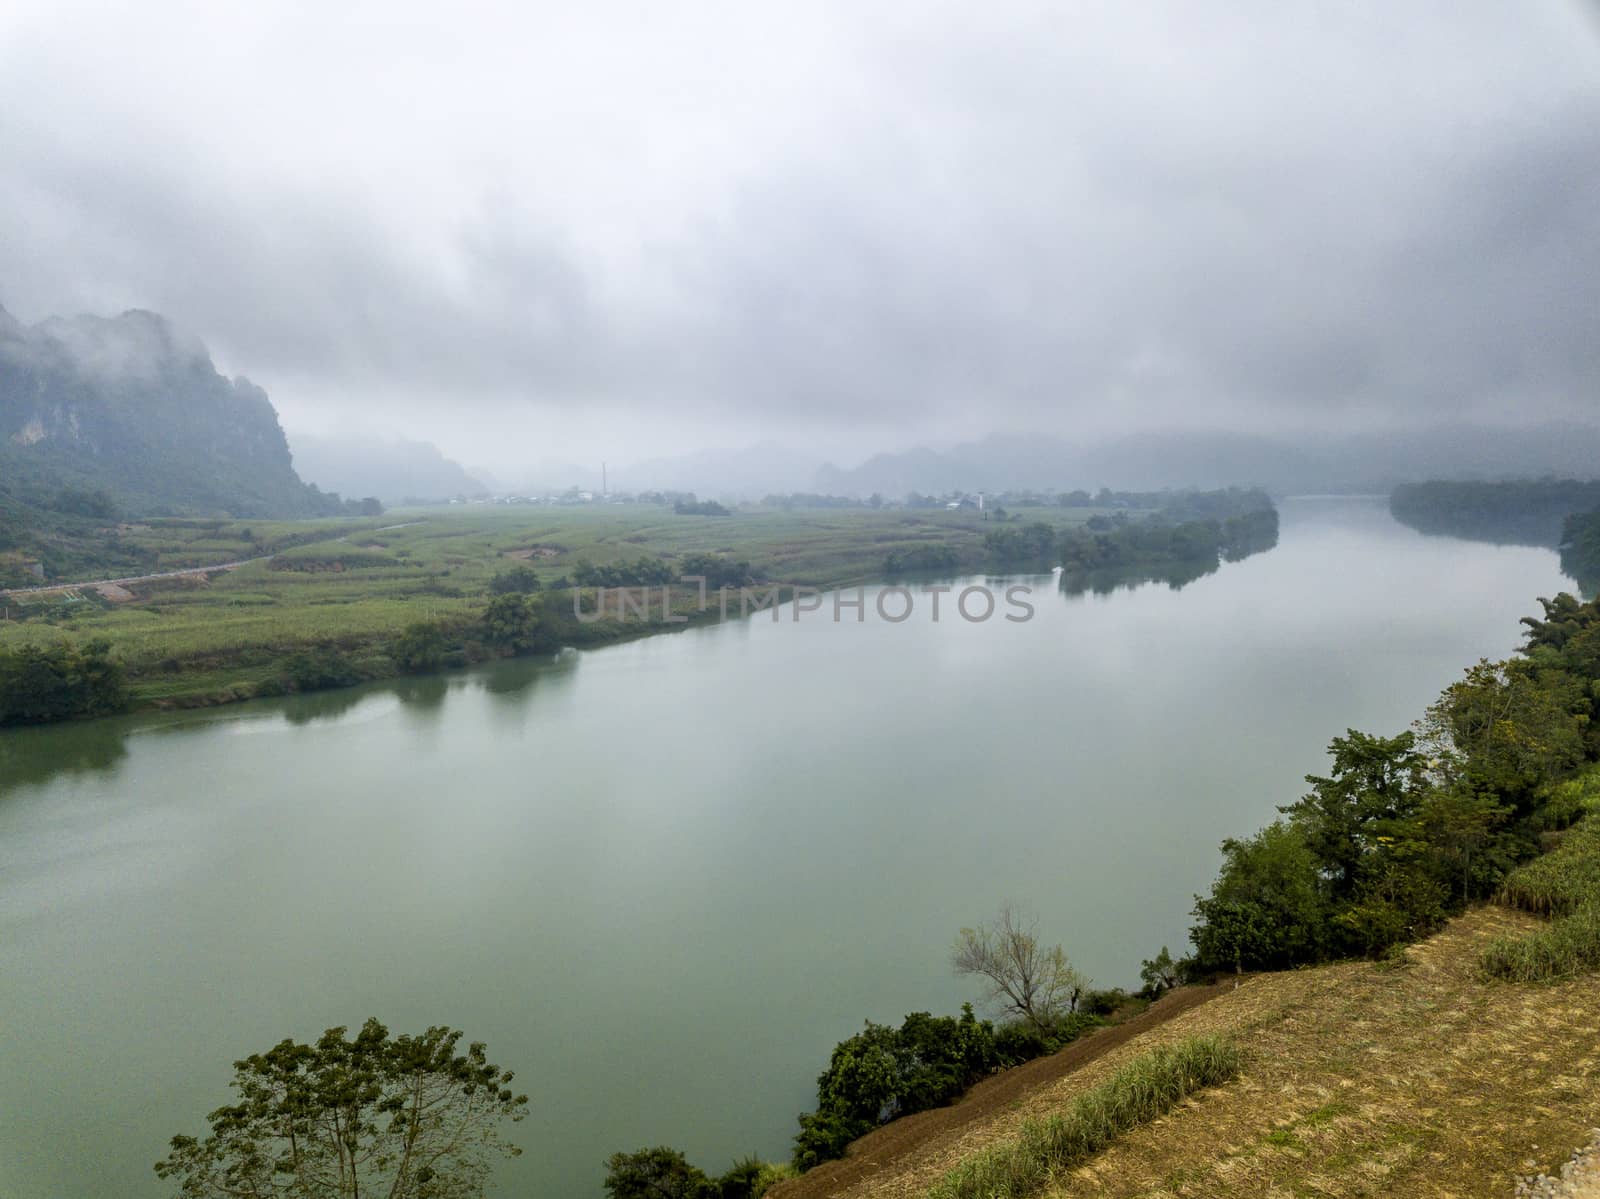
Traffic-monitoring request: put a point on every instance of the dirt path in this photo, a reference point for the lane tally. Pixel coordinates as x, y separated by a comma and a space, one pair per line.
130, 579
179, 574
884, 1149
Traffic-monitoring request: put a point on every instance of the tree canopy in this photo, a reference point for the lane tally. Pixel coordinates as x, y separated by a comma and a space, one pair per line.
405, 1117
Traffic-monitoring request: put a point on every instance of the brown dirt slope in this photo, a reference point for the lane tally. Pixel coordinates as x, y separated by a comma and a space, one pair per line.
883, 1151
1406, 1079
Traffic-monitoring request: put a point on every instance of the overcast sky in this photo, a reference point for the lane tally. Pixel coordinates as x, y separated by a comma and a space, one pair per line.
602, 229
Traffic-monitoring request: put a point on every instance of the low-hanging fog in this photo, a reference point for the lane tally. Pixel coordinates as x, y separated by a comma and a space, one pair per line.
539, 233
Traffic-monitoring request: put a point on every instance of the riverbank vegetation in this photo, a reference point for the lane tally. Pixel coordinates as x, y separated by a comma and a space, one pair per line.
1412, 1075
63, 681
1494, 795
884, 1073
1147, 1087
306, 605
1407, 830
1514, 512
1580, 549
661, 1172
1563, 886
1139, 536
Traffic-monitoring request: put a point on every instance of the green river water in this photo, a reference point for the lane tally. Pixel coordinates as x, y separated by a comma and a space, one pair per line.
662, 878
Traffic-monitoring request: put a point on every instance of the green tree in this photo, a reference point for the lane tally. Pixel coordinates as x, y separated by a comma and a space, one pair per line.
59, 682
421, 647
513, 623
883, 1072
1467, 830
399, 1116
1266, 908
1376, 783
319, 670
519, 580
657, 1173
1025, 978
1507, 727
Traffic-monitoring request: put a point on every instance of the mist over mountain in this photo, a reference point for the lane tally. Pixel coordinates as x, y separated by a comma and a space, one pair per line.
393, 469
133, 407
748, 473
1353, 462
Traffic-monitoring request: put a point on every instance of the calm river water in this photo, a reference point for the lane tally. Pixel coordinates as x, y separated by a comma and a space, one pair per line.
661, 879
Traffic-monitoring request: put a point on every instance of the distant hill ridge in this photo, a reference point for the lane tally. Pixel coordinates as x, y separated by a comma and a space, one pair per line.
133, 407
1350, 462
396, 470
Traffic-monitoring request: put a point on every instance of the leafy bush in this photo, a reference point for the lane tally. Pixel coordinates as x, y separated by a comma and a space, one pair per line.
658, 1173
516, 624
664, 1173
641, 572
1102, 1003
1407, 829
1567, 948
519, 580
421, 647
1034, 544
718, 570
321, 670
824, 1136
883, 1072
1266, 909
1146, 1088
692, 507
1021, 1041
59, 682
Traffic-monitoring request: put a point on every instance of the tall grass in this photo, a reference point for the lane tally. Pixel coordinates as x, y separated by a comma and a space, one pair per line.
1563, 884
1566, 948
1147, 1087
1561, 881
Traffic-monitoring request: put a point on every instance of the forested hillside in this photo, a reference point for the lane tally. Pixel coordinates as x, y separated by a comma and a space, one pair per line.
109, 420
133, 408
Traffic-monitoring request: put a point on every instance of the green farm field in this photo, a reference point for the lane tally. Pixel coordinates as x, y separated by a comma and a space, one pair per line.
353, 585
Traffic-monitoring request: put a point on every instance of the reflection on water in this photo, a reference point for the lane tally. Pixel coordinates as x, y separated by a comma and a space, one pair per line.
661, 879
37, 755
1177, 573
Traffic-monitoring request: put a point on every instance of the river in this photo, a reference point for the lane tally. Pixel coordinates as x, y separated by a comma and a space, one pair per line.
662, 878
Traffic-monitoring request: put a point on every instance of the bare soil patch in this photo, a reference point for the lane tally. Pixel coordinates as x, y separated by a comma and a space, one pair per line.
883, 1150
1411, 1078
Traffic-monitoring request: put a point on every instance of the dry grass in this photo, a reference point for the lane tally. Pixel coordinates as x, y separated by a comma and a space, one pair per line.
1416, 1078
1147, 1087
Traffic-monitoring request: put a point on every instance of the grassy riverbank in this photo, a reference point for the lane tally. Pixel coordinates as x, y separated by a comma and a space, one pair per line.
1415, 1076
353, 587
1494, 795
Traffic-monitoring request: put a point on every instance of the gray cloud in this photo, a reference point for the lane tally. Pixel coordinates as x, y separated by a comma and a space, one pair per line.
652, 226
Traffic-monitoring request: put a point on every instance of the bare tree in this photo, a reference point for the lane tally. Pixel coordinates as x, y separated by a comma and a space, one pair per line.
1025, 979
